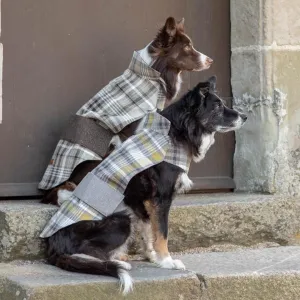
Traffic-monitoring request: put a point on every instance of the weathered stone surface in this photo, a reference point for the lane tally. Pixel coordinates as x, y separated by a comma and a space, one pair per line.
262, 23
195, 221
267, 148
246, 67
245, 23
239, 219
285, 21
44, 282
286, 68
20, 225
265, 85
251, 75
265, 274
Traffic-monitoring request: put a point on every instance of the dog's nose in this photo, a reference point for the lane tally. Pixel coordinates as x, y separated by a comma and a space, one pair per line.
244, 117
209, 60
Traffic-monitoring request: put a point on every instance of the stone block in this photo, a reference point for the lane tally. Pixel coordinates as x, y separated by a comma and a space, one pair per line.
44, 282
264, 274
195, 221
245, 23
285, 21
268, 146
20, 225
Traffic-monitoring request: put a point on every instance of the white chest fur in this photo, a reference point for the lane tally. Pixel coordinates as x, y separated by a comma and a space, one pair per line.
207, 141
183, 184
178, 85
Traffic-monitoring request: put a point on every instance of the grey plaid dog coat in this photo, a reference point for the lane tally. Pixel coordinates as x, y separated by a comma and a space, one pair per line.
127, 98
136, 95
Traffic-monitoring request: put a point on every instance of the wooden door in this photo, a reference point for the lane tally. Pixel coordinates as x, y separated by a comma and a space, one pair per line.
57, 54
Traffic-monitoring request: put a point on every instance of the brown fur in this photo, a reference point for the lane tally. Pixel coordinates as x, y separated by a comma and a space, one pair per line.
173, 51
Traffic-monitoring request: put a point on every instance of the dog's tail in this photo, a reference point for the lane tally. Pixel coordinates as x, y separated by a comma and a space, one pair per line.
82, 263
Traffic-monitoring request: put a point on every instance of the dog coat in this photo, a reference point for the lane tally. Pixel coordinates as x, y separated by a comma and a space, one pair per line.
127, 98
99, 203
136, 95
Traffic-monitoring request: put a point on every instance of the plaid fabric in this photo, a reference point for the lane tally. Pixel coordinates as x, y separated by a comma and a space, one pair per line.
65, 158
129, 97
179, 156
134, 95
141, 151
69, 213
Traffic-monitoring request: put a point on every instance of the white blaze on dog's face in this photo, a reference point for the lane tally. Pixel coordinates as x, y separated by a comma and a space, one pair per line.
174, 44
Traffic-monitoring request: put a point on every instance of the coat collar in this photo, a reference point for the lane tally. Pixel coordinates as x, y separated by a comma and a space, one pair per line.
141, 68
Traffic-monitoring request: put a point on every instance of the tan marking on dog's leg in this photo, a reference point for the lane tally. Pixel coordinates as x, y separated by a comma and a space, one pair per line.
164, 260
160, 242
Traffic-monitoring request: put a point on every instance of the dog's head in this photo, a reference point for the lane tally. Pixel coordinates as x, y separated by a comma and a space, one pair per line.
198, 115
212, 113
173, 44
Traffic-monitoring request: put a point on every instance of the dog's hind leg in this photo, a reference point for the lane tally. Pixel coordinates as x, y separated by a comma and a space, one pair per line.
147, 240
159, 215
93, 246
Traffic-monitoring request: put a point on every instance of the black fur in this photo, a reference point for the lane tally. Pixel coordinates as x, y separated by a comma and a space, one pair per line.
200, 112
92, 238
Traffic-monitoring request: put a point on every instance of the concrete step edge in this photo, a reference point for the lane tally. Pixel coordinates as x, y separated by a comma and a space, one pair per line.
195, 221
268, 274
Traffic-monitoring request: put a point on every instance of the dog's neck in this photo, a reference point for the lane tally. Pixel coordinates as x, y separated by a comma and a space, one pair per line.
207, 140
171, 76
196, 138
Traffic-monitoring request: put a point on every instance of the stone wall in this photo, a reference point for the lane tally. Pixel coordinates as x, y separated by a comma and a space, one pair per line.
265, 43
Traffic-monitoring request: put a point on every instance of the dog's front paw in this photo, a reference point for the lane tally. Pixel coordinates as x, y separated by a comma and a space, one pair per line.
170, 263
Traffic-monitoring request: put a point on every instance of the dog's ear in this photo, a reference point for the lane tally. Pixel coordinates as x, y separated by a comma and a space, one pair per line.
212, 82
170, 27
180, 25
165, 36
203, 88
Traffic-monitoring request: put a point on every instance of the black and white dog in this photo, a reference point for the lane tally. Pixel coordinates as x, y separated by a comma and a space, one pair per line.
95, 246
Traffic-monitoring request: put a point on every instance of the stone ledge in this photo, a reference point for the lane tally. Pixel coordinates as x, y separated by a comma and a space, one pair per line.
240, 219
195, 221
44, 282
264, 274
20, 225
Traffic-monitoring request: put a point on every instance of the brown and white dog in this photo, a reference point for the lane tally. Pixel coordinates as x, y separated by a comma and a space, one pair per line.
171, 53
95, 247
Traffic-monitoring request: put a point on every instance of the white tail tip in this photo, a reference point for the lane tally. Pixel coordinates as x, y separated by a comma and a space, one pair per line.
125, 281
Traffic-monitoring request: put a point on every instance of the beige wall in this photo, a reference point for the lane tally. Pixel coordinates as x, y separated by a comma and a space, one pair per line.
266, 85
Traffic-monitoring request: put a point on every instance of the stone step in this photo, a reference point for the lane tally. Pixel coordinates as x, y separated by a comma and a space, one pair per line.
263, 274
44, 282
195, 221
